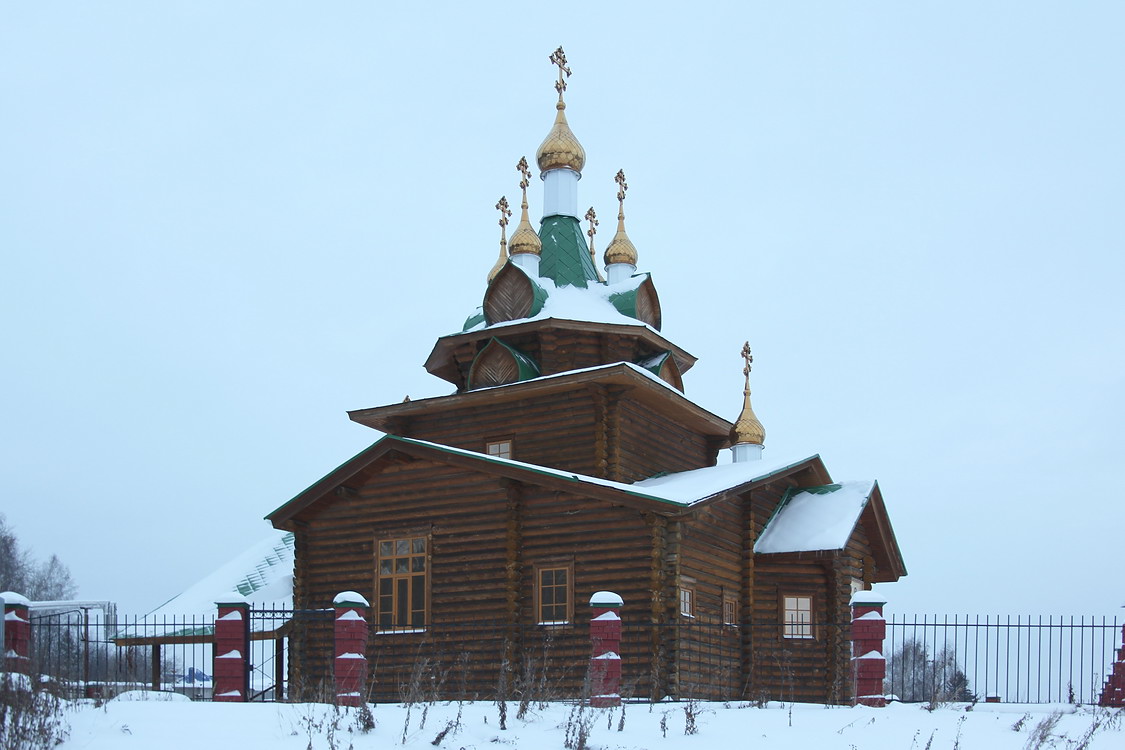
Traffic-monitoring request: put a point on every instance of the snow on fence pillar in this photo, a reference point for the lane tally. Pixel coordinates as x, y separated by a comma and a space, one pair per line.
232, 650
1113, 694
351, 648
605, 663
17, 632
869, 667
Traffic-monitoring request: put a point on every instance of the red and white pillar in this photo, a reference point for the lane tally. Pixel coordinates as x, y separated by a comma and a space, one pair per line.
17, 633
1113, 694
869, 667
232, 651
351, 648
605, 663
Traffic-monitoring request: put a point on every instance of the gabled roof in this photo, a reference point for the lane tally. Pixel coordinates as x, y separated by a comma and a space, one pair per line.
824, 518
668, 494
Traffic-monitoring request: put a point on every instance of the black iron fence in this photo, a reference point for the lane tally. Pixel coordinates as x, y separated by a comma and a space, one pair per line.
1022, 659
1016, 659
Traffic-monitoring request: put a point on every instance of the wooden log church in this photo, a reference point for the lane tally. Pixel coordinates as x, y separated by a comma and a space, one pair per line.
569, 460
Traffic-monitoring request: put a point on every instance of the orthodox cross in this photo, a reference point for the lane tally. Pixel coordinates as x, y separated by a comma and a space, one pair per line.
593, 219
505, 213
523, 170
622, 186
558, 57
749, 359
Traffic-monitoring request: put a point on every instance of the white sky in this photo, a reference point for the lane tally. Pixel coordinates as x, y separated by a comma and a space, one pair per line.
222, 225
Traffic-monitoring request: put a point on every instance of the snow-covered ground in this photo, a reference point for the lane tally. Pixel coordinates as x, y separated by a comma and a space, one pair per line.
176, 723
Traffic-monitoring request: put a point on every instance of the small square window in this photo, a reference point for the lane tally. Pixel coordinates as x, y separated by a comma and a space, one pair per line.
687, 602
499, 448
797, 616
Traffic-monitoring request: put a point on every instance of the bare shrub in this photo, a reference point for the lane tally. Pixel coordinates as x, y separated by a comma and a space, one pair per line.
1041, 734
30, 719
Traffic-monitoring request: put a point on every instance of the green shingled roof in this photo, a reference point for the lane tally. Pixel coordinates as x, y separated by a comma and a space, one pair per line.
566, 256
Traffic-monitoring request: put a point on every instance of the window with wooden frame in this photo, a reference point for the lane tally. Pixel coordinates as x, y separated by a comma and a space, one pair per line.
796, 616
499, 448
401, 583
687, 601
554, 594
730, 610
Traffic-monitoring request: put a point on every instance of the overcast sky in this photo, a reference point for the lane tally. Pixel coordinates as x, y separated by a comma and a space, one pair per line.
222, 225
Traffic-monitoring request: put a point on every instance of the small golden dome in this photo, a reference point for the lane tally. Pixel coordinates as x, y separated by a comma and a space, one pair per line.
620, 249
560, 149
524, 239
747, 428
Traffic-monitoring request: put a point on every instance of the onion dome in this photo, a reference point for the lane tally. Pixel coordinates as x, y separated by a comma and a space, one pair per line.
747, 428
524, 239
560, 149
620, 249
505, 213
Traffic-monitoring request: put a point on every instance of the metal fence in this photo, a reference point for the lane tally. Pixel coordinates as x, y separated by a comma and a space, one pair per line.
1023, 659
1017, 659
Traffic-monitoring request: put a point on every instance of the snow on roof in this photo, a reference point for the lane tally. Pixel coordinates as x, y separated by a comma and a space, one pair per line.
682, 488
816, 518
263, 574
635, 367
589, 305
688, 487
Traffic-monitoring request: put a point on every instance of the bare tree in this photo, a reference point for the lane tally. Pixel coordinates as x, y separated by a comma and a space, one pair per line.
22, 574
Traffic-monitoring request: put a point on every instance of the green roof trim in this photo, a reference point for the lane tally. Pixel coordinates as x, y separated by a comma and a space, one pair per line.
626, 301
474, 320
653, 364
565, 257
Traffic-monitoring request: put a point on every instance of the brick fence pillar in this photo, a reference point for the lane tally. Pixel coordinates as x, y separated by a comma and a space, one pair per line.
232, 650
351, 648
605, 662
869, 667
1113, 694
17, 632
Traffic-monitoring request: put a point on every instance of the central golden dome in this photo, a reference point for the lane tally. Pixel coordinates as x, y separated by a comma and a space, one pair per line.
560, 149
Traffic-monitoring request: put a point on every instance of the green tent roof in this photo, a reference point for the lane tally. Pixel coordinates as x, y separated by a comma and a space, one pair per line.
565, 257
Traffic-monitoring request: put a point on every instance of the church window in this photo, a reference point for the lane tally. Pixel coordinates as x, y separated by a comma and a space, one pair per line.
499, 448
730, 611
402, 583
797, 616
687, 601
554, 587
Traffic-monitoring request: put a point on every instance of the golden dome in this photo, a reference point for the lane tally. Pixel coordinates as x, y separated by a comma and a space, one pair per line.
620, 249
524, 239
560, 149
747, 428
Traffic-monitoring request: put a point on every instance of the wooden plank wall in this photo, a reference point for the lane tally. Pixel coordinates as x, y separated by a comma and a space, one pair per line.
556, 430
649, 442
708, 659
486, 537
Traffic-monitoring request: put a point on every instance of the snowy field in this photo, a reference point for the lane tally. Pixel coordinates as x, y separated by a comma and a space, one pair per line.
177, 723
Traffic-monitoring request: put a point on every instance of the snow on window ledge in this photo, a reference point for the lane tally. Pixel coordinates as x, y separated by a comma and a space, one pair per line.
400, 631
